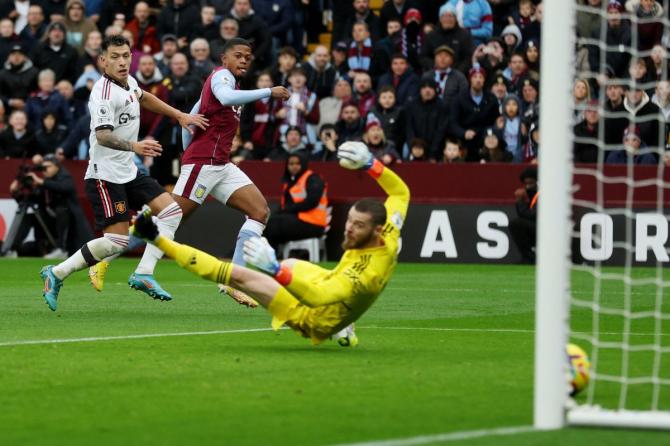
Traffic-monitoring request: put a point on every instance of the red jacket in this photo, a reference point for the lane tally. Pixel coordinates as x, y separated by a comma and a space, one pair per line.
149, 37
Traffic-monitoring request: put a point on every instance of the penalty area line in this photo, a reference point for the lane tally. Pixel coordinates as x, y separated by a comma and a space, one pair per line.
125, 337
446, 437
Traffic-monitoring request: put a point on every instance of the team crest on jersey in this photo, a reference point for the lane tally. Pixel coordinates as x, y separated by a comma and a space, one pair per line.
120, 207
200, 191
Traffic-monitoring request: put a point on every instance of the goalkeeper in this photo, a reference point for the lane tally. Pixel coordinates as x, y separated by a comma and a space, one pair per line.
316, 302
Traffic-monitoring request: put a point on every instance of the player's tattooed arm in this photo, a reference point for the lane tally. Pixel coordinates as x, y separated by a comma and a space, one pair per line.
147, 147
106, 138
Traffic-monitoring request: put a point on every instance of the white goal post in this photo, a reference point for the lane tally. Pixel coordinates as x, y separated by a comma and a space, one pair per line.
553, 409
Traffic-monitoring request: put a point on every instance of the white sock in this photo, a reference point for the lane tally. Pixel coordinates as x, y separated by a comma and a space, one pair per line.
167, 221
91, 253
250, 228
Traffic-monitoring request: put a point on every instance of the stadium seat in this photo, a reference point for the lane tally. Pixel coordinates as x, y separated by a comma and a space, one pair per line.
376, 4
314, 246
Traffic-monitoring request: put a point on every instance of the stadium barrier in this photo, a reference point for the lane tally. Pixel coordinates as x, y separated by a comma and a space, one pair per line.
459, 213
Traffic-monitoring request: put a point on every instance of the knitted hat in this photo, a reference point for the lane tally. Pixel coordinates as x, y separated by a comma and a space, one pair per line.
476, 70
447, 8
412, 13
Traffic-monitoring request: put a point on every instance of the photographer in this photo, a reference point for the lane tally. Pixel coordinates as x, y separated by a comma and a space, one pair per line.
57, 202
523, 228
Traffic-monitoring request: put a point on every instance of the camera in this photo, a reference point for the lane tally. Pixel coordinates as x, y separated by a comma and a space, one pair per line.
23, 175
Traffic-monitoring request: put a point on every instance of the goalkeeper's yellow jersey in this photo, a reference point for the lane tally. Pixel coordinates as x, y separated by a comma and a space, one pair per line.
349, 289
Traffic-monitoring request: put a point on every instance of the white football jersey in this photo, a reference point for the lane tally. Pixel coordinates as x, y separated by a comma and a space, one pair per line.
117, 108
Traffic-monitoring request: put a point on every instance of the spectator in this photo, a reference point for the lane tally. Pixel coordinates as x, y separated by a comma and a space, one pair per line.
618, 33
50, 134
76, 144
512, 39
169, 49
451, 34
363, 14
292, 143
523, 228
201, 64
509, 124
587, 136
255, 30
472, 112
493, 148
76, 108
144, 32
649, 32
360, 50
18, 78
340, 59
581, 93
425, 117
32, 33
54, 10
639, 73
257, 123
342, 11
614, 125
84, 85
532, 58
491, 57
661, 98
16, 10
326, 146
228, 29
77, 25
450, 82
453, 152
418, 151
402, 78
93, 9
149, 78
301, 110
411, 39
395, 10
499, 90
475, 16
515, 72
645, 116
350, 126
92, 50
18, 140
47, 97
364, 97
320, 73
531, 142
304, 202
180, 18
135, 54
524, 17
381, 148
389, 115
386, 47
330, 108
7, 38
530, 108
634, 151
113, 10
277, 14
54, 53
286, 62
208, 28
658, 58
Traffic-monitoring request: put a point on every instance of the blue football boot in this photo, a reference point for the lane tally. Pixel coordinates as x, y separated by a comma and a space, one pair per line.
52, 285
147, 284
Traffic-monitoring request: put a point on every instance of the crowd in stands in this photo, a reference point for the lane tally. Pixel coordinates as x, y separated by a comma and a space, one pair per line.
442, 81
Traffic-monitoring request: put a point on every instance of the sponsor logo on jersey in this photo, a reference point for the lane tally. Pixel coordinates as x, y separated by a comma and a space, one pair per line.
125, 117
200, 191
120, 207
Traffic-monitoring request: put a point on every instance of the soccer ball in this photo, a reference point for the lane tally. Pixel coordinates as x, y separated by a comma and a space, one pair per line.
579, 366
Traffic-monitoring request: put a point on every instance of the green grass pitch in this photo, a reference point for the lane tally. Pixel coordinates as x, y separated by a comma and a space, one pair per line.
447, 348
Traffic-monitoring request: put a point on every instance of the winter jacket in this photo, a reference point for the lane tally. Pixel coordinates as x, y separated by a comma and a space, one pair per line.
256, 31
617, 60
476, 16
428, 121
17, 82
455, 84
144, 36
63, 62
466, 114
40, 101
320, 82
585, 152
178, 20
408, 86
77, 32
649, 33
392, 121
277, 14
22, 147
649, 128
457, 38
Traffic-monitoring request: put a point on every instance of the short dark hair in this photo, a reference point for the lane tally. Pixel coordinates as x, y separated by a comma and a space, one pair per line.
398, 56
373, 207
235, 41
386, 89
418, 142
115, 40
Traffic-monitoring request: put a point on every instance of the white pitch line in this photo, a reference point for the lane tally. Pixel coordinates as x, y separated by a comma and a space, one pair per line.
450, 436
254, 330
120, 338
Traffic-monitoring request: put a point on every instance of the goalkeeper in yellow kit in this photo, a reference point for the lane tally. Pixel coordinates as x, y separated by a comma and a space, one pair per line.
316, 302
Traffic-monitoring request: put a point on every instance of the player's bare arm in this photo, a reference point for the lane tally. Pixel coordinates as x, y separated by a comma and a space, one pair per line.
106, 138
152, 103
280, 93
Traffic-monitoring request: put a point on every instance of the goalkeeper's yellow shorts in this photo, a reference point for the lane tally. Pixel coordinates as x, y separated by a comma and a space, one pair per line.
318, 323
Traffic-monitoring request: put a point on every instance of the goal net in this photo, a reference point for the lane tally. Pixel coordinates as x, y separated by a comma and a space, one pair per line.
603, 214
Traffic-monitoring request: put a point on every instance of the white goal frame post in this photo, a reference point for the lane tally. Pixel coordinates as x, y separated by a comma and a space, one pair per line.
553, 237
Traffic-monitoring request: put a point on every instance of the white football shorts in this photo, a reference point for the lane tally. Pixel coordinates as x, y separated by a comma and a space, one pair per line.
196, 181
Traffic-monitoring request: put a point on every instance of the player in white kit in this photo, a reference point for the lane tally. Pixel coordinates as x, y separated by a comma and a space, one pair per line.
113, 184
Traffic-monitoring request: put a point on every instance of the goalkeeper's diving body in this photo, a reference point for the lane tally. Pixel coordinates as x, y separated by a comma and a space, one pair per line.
316, 302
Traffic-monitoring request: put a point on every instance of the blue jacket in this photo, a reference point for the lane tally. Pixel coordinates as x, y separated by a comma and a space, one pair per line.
277, 14
622, 157
408, 87
477, 17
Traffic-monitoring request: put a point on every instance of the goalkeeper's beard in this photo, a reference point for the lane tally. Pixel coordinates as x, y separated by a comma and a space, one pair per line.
362, 241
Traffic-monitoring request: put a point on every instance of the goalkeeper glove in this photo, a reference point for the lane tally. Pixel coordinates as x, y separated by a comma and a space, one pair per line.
144, 226
355, 155
259, 253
